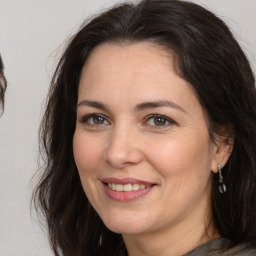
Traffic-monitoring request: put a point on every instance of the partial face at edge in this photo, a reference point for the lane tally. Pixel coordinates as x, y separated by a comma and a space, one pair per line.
140, 124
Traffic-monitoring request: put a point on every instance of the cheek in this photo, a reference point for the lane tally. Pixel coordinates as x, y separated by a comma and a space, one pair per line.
182, 156
87, 156
183, 164
87, 152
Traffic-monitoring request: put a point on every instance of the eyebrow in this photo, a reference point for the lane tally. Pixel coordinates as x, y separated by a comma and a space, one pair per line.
94, 104
158, 104
140, 107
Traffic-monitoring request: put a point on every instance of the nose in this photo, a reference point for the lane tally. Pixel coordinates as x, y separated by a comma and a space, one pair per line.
123, 148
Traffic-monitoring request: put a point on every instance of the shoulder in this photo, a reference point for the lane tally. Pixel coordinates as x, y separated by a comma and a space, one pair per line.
223, 246
245, 249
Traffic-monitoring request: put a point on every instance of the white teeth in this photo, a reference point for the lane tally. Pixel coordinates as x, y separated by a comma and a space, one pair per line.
135, 187
119, 187
127, 187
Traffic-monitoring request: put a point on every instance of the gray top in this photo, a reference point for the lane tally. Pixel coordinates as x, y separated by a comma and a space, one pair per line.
222, 246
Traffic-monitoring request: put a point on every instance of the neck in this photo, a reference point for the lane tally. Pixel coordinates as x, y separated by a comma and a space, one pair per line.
175, 240
177, 245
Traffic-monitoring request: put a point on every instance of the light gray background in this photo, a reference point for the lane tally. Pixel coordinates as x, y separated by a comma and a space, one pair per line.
31, 33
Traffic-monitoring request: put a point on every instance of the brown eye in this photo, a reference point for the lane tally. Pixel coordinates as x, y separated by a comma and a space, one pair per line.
94, 120
98, 120
159, 121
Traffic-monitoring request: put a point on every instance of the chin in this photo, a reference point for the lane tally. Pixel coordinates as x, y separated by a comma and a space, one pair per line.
124, 224
126, 228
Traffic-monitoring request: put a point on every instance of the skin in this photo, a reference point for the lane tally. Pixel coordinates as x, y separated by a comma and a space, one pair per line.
176, 154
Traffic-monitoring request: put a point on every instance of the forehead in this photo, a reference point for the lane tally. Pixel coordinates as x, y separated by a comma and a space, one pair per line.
135, 72
128, 64
142, 55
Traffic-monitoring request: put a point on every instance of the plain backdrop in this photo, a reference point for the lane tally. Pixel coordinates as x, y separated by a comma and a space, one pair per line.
32, 34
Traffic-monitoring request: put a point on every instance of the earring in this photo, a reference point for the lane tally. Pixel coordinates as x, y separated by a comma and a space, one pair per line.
222, 186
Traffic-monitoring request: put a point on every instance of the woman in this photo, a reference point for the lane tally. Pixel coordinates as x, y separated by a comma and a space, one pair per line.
3, 84
149, 137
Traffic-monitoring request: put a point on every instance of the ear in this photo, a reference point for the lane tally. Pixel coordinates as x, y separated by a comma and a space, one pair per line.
222, 149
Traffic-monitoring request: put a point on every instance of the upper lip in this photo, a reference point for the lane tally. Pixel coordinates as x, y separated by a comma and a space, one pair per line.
125, 181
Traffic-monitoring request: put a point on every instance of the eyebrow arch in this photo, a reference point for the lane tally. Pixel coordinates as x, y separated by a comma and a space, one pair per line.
139, 107
157, 104
94, 104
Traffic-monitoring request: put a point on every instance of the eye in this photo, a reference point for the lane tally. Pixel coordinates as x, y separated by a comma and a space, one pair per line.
159, 121
94, 120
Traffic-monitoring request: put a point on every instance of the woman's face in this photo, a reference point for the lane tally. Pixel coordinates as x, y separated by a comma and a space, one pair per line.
141, 143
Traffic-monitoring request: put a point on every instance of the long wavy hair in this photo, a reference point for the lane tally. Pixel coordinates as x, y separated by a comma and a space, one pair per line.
3, 85
211, 60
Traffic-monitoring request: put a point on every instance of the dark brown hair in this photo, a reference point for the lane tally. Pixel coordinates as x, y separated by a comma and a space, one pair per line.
3, 85
210, 59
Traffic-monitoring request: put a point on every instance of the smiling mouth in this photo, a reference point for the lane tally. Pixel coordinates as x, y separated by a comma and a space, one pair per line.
127, 187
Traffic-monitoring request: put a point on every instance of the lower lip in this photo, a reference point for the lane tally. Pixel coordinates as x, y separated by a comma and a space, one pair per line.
122, 196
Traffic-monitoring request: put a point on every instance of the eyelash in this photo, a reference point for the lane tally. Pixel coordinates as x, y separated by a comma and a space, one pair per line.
164, 118
85, 120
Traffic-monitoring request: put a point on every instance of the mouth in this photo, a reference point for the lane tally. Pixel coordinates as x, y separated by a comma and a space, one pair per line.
127, 187
123, 190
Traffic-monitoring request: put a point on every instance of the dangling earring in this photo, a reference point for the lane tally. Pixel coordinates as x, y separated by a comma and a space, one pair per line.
222, 186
